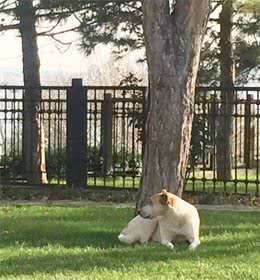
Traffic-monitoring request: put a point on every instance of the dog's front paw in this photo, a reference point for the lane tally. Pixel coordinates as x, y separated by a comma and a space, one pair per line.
194, 244
168, 244
125, 239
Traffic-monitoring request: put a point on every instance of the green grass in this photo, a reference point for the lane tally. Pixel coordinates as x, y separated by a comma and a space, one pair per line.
249, 185
41, 242
117, 182
229, 187
109, 181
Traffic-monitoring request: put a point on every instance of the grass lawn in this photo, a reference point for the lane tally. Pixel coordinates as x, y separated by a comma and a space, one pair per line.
49, 242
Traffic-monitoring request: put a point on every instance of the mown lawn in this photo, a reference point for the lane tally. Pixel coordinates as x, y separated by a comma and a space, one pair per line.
49, 242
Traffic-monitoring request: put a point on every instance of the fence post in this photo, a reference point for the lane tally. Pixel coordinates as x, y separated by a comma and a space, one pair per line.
212, 132
106, 133
249, 133
76, 135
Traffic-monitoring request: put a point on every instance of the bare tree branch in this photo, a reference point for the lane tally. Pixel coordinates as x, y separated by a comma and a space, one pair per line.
4, 6
52, 28
60, 41
9, 27
53, 14
58, 32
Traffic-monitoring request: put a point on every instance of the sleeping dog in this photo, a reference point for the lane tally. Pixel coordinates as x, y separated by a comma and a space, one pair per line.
166, 219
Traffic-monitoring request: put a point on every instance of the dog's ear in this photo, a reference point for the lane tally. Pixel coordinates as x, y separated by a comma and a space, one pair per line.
171, 200
164, 198
164, 191
167, 198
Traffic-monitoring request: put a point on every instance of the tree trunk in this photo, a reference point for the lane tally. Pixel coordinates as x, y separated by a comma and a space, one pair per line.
173, 41
33, 136
224, 130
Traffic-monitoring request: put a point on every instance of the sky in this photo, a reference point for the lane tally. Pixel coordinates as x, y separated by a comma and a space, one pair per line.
59, 66
51, 57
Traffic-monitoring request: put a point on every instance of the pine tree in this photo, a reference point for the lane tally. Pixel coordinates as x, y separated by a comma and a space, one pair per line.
22, 15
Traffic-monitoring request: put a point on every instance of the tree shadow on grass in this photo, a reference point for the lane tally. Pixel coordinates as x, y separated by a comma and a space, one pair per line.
68, 232
60, 236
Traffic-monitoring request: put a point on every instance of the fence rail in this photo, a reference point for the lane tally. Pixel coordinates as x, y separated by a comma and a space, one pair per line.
94, 136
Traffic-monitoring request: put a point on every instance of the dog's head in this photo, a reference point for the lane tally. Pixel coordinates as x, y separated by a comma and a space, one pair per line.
158, 205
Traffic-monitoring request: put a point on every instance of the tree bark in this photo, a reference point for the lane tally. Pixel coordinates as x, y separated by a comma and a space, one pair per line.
33, 133
173, 42
224, 130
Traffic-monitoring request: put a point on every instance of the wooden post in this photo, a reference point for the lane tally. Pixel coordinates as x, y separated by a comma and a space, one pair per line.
106, 133
76, 135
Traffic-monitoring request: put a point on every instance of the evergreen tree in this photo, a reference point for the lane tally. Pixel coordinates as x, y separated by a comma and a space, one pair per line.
245, 42
22, 16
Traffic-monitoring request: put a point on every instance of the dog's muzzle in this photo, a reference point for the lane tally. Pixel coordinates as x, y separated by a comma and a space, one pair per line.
143, 214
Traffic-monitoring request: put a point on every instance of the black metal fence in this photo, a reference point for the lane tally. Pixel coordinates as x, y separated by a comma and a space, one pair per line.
94, 136
91, 134
225, 141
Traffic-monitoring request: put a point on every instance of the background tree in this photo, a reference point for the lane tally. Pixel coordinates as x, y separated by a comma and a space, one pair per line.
230, 53
227, 75
115, 22
245, 42
247, 39
23, 15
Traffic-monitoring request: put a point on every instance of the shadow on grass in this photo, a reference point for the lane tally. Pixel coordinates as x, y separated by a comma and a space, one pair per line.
81, 227
57, 233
